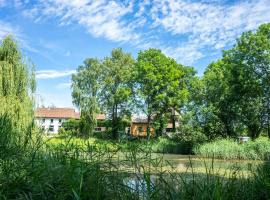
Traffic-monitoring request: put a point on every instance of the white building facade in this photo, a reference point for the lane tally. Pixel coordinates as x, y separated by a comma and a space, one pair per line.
51, 119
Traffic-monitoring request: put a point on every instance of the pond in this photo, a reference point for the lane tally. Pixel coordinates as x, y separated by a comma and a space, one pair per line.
181, 169
175, 163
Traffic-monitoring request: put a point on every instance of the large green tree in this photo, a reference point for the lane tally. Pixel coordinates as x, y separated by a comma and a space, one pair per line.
249, 66
116, 93
236, 89
86, 86
104, 85
160, 83
17, 84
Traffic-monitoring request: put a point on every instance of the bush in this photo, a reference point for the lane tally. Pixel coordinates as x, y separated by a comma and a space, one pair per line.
166, 145
105, 135
230, 149
72, 127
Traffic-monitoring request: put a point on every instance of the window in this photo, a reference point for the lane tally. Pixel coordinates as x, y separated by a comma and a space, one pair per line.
51, 128
43, 121
98, 129
169, 130
60, 120
140, 129
51, 120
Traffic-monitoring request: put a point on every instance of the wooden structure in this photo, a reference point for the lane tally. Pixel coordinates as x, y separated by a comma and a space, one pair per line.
139, 125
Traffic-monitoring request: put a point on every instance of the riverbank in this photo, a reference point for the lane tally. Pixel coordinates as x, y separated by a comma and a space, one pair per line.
258, 149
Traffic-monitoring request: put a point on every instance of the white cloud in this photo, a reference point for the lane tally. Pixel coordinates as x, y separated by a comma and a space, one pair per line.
193, 26
49, 74
207, 25
100, 18
7, 29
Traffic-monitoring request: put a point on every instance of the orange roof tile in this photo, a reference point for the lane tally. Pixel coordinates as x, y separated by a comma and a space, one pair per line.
67, 113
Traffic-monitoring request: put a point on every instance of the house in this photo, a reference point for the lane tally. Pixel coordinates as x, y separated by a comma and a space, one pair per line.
51, 119
138, 127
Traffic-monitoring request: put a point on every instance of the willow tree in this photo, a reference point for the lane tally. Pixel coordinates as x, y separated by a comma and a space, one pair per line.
17, 84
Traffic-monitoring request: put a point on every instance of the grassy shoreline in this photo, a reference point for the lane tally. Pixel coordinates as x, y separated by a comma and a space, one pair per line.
221, 149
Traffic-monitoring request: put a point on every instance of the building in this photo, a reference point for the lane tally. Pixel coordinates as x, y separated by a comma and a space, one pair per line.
138, 127
51, 119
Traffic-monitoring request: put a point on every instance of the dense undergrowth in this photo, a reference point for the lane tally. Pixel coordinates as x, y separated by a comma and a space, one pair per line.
32, 170
160, 145
258, 149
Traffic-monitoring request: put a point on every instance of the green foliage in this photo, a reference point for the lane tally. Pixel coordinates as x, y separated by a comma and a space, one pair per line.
62, 132
72, 127
165, 145
104, 84
17, 84
249, 69
85, 91
230, 149
232, 97
160, 84
85, 171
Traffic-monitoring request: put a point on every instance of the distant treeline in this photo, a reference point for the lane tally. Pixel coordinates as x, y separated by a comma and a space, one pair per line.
232, 98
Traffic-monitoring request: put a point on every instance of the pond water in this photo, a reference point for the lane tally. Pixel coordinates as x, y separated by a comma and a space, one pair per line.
189, 167
185, 163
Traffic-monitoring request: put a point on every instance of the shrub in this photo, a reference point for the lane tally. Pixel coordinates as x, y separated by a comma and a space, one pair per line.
72, 127
230, 149
166, 145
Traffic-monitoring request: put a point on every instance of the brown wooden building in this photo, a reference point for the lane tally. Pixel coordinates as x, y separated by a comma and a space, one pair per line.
138, 126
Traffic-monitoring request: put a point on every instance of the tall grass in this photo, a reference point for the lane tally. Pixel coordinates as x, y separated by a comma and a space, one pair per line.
160, 145
33, 170
229, 149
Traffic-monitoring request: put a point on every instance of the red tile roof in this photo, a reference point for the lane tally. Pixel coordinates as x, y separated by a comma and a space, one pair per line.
66, 113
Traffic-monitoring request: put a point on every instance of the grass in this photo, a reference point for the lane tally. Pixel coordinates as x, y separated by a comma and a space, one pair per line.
229, 149
76, 172
160, 145
86, 170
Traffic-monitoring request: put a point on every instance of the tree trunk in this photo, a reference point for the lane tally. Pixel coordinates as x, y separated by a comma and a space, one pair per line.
114, 122
268, 117
173, 121
148, 126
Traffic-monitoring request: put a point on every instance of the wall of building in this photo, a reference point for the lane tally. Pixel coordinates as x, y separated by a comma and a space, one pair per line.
46, 124
140, 129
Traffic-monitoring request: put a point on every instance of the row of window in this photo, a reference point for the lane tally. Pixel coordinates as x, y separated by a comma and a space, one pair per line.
51, 128
59, 120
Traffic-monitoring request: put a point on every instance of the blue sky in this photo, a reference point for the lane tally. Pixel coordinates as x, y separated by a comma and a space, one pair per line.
57, 35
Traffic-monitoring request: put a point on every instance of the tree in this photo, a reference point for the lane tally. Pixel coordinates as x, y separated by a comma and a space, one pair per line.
17, 84
218, 103
116, 93
159, 82
249, 66
86, 87
236, 89
104, 85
